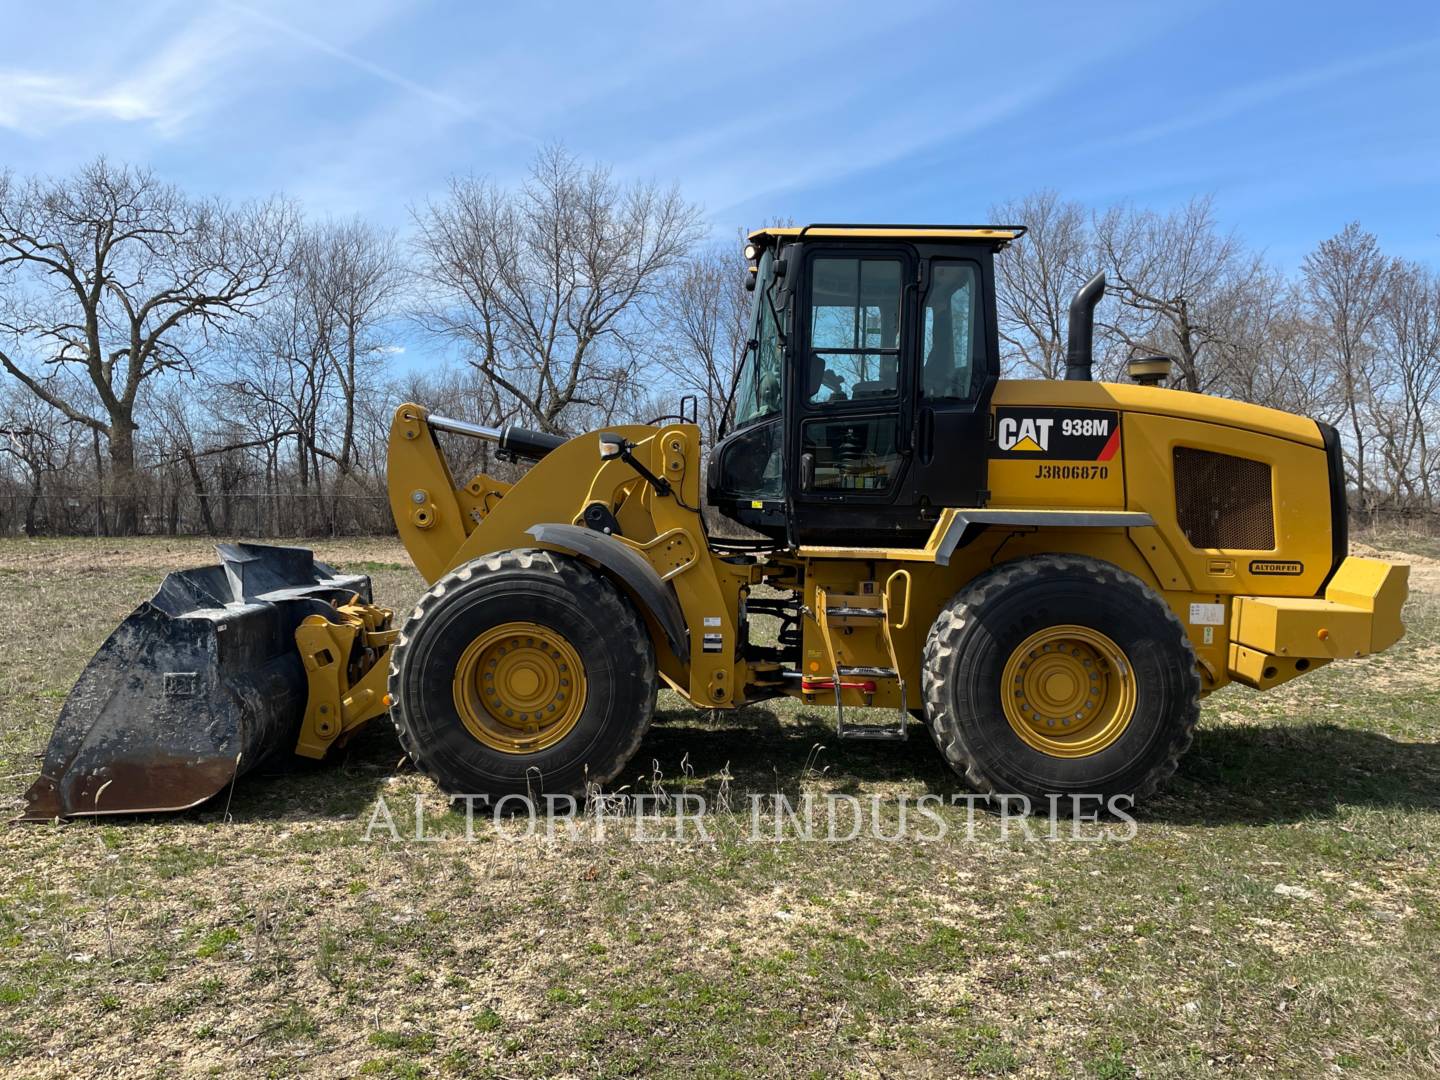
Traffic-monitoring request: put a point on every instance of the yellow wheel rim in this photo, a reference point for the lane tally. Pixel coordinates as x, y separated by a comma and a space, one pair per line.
1068, 691
519, 687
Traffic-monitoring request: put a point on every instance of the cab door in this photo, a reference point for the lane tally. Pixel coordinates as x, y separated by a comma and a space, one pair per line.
852, 380
955, 379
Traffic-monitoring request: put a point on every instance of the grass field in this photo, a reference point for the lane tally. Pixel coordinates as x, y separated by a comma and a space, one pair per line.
1277, 912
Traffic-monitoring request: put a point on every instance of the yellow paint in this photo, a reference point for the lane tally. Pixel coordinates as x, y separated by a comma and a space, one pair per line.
939, 232
1276, 638
556, 489
1068, 691
519, 687
1300, 491
1031, 483
1158, 401
1261, 671
355, 636
1301, 626
1377, 587
417, 477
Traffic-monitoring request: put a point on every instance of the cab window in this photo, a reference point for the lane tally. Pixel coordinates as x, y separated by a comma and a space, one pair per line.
951, 339
854, 348
758, 394
856, 454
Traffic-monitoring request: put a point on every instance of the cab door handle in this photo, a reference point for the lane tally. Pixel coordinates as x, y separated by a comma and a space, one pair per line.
925, 435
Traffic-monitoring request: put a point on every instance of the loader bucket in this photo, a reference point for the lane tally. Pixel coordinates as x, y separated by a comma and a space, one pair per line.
200, 684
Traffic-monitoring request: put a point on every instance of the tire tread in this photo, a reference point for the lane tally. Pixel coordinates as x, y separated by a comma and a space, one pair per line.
944, 640
594, 591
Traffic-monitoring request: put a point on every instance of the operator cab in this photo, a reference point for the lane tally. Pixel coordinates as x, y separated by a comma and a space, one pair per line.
862, 407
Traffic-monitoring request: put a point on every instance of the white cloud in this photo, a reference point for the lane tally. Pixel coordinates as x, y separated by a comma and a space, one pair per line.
161, 88
33, 103
164, 74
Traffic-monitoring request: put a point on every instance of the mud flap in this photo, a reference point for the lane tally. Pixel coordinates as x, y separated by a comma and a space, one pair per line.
202, 683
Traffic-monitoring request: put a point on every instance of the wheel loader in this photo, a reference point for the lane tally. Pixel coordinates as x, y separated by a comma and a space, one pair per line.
1048, 575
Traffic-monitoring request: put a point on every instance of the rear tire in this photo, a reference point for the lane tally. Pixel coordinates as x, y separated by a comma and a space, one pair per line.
1061, 675
523, 672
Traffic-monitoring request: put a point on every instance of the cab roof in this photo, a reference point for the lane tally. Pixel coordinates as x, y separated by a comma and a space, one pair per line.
999, 235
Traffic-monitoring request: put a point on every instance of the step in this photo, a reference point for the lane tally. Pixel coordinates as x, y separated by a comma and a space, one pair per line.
870, 672
874, 732
855, 612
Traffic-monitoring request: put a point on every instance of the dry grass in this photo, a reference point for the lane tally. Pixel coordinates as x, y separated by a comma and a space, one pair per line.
1278, 911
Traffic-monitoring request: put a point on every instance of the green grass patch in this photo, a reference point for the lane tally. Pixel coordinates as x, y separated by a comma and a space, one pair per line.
216, 941
420, 1042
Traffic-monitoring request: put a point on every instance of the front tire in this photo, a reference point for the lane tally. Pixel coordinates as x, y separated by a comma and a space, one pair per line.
522, 673
1061, 675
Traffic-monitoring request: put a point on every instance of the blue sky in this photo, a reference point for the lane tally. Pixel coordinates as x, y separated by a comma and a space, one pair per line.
1297, 116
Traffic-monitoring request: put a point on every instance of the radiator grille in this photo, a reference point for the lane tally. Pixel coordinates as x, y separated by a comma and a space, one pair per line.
1223, 501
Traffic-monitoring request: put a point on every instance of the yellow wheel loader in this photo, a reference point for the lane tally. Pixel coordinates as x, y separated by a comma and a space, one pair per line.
1049, 575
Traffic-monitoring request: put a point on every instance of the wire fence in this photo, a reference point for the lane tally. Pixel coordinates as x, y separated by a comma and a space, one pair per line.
288, 514
1418, 520
235, 513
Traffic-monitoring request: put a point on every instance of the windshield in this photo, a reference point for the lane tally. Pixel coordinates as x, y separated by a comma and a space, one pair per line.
757, 394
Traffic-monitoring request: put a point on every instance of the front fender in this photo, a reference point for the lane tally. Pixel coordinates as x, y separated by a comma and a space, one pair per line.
633, 571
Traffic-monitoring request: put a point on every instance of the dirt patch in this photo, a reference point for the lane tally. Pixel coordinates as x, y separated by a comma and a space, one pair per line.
1424, 570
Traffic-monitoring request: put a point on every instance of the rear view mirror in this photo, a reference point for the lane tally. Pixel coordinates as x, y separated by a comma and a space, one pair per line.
612, 446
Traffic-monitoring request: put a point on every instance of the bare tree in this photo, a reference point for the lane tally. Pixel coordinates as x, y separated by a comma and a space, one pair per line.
544, 284
1346, 281
122, 277
351, 276
1409, 334
1270, 353
700, 330
1177, 279
279, 380
1037, 278
40, 440
173, 418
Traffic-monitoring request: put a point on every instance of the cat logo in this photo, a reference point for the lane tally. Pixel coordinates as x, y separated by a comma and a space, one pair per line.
1054, 434
1024, 434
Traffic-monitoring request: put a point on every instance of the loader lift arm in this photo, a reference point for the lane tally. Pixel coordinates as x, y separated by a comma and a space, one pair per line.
659, 555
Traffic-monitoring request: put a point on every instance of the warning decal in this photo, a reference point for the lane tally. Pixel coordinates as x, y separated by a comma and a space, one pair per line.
1056, 434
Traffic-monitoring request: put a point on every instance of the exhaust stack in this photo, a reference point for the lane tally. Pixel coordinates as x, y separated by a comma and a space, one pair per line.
1079, 343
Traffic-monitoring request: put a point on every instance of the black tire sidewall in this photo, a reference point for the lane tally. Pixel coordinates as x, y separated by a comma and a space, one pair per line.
619, 690
1123, 610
